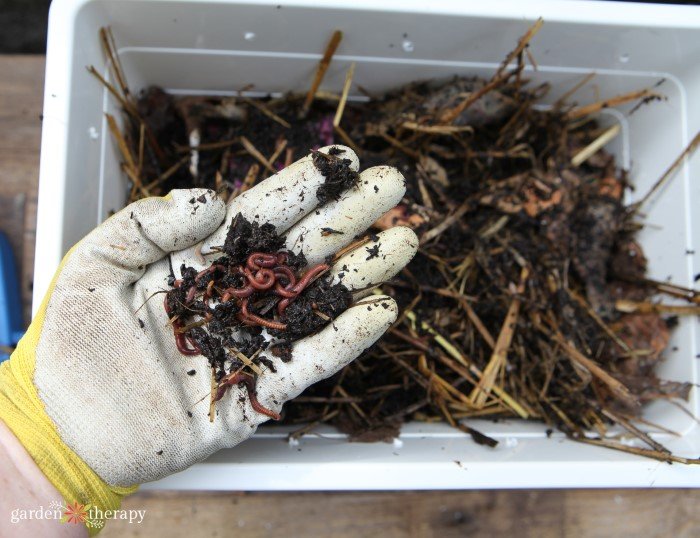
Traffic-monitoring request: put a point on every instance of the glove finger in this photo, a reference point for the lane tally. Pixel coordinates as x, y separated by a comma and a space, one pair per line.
118, 251
376, 261
336, 224
321, 355
280, 200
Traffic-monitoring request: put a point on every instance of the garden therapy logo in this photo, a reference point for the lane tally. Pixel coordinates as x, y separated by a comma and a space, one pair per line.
76, 513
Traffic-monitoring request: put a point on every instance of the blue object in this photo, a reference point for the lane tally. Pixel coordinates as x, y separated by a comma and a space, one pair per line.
11, 327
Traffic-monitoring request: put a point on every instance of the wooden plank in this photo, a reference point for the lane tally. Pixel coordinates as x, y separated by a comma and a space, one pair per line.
538, 513
444, 514
584, 513
21, 93
648, 513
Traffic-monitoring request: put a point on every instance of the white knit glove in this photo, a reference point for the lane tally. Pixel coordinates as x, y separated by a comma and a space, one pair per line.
107, 369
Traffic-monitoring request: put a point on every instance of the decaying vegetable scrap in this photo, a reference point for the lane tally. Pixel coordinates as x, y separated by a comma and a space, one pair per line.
528, 297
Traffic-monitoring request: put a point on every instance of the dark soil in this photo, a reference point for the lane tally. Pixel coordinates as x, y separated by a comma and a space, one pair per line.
244, 238
339, 176
302, 315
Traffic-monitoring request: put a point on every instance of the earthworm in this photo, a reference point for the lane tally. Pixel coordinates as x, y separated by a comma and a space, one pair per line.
285, 272
247, 316
190, 294
312, 273
284, 303
252, 319
209, 270
287, 293
262, 271
241, 293
182, 342
285, 290
264, 279
249, 383
261, 259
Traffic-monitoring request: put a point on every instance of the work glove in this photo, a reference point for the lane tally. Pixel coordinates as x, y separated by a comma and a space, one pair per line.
97, 391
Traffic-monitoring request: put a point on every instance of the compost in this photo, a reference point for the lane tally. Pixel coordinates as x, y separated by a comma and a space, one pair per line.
528, 297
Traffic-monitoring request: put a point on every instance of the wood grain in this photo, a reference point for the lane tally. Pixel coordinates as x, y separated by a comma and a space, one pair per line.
507, 514
21, 93
576, 513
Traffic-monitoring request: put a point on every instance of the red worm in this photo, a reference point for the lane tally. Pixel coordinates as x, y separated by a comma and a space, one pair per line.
257, 320
182, 342
190, 295
284, 303
208, 270
264, 279
285, 272
261, 259
249, 382
263, 276
310, 275
245, 321
287, 293
262, 271
241, 293
247, 316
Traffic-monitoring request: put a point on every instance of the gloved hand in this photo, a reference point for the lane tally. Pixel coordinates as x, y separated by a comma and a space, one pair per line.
97, 391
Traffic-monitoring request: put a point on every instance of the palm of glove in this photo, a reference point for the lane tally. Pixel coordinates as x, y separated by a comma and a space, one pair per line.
107, 367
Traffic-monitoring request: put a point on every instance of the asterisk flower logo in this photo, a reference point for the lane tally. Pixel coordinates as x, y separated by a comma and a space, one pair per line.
75, 513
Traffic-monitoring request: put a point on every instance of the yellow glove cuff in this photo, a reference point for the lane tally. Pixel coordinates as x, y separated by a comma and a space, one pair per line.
23, 412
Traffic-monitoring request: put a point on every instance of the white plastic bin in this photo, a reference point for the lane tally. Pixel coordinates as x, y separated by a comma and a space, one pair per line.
220, 46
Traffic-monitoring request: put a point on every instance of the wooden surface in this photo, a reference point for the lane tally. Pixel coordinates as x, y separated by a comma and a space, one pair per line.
472, 513
21, 92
